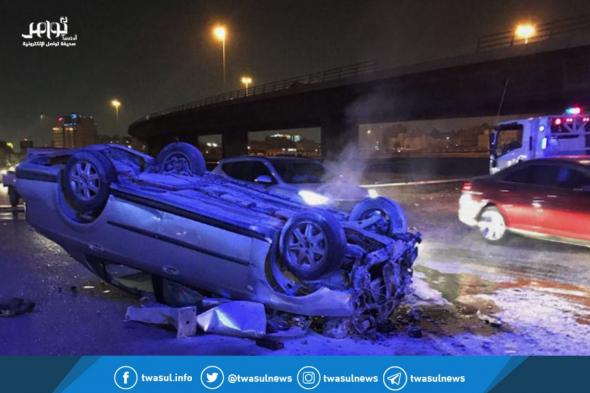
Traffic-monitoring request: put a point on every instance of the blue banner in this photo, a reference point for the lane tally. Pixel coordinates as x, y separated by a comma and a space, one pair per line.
293, 374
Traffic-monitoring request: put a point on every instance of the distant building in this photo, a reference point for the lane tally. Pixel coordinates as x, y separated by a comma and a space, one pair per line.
483, 140
25, 145
73, 130
284, 144
125, 140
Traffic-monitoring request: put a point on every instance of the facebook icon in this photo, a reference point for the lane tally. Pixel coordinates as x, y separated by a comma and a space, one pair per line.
125, 377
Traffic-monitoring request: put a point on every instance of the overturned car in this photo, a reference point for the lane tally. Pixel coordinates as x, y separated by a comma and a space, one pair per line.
109, 206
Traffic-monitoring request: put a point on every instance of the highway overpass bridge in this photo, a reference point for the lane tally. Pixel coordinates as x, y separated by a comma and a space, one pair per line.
532, 78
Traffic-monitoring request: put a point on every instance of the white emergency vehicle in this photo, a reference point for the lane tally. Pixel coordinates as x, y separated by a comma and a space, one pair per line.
514, 141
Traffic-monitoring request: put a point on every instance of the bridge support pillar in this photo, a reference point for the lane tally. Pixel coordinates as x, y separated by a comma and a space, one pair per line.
235, 143
338, 134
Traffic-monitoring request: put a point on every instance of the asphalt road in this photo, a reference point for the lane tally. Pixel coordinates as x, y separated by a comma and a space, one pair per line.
538, 291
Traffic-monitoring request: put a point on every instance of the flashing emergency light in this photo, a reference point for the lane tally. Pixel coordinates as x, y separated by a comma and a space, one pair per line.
586, 119
574, 110
557, 121
60, 119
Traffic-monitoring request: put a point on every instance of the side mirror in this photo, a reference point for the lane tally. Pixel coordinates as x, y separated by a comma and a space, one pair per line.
263, 179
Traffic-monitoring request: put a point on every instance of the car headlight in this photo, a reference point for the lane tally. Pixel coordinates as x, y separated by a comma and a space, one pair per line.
373, 193
313, 198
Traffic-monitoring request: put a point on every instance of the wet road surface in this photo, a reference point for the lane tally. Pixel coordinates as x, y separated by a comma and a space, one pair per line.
521, 297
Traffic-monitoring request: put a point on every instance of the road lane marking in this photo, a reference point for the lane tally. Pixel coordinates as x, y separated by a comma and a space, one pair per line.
413, 183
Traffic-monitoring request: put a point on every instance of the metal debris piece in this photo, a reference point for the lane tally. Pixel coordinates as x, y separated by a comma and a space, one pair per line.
492, 321
271, 344
414, 332
10, 307
183, 319
209, 302
237, 318
336, 327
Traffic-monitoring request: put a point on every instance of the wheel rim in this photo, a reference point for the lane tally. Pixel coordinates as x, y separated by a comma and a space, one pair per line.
491, 225
382, 225
84, 180
177, 163
306, 245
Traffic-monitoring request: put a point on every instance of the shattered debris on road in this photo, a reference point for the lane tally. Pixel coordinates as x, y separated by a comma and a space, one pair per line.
10, 307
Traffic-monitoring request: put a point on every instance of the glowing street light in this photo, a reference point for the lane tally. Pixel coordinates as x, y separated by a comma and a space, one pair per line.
220, 34
525, 31
246, 81
115, 103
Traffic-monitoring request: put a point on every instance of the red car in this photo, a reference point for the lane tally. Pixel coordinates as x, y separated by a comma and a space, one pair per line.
547, 198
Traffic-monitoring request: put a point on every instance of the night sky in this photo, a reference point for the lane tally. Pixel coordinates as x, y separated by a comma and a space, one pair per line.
152, 55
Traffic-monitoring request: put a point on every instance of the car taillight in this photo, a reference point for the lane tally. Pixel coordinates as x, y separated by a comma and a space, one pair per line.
467, 186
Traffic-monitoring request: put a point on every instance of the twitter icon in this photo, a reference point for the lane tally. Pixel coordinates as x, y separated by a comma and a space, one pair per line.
212, 377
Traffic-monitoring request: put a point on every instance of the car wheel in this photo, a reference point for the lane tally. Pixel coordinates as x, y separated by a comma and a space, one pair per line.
182, 159
86, 181
13, 196
492, 224
311, 244
387, 216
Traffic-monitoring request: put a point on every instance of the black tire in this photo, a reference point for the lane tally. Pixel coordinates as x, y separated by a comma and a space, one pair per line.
182, 159
311, 244
394, 218
86, 180
13, 196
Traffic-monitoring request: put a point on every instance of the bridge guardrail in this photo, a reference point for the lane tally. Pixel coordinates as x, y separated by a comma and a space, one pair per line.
543, 32
328, 75
487, 42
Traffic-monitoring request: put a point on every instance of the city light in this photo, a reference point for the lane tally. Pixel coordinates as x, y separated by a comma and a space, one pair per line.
220, 34
525, 31
115, 103
246, 81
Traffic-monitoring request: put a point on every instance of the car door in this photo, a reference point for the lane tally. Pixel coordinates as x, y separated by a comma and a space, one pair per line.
509, 145
566, 206
518, 197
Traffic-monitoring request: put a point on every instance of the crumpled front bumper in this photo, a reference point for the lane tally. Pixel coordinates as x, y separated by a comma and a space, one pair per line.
381, 279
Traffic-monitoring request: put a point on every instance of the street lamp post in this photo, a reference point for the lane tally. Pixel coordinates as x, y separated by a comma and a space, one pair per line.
116, 104
220, 33
525, 31
246, 81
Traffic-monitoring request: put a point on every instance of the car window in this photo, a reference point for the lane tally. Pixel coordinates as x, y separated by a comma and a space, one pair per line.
549, 176
509, 138
572, 179
299, 171
539, 175
246, 170
520, 175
